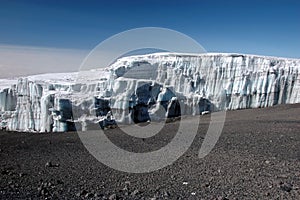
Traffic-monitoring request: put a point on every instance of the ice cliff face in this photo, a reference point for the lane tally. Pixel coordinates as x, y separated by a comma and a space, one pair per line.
148, 87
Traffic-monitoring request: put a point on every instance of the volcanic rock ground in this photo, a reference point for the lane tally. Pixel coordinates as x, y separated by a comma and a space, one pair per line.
256, 157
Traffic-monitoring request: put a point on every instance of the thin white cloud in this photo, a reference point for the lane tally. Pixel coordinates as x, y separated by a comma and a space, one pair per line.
18, 61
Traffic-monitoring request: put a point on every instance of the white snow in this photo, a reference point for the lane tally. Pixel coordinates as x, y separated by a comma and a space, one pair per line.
148, 84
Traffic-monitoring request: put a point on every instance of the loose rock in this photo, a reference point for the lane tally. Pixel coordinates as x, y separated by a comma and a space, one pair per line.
48, 164
286, 187
112, 197
135, 192
166, 194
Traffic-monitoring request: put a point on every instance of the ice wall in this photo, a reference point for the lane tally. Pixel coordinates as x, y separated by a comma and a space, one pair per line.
227, 81
149, 87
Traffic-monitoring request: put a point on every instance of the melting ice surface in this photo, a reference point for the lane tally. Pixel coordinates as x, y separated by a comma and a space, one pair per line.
148, 87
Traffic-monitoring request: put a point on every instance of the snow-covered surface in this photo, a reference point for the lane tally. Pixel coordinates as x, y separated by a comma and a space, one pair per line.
137, 87
6, 83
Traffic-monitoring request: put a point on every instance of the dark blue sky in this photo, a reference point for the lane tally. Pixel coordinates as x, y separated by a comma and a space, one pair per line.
256, 27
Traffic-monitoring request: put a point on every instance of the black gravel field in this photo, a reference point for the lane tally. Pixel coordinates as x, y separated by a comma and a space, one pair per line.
256, 157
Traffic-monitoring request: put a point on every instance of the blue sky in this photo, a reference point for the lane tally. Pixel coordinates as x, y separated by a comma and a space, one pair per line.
257, 27
34, 26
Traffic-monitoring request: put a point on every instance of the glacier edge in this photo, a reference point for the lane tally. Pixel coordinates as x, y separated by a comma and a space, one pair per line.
141, 84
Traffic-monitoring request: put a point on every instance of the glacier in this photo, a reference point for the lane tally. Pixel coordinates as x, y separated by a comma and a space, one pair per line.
145, 88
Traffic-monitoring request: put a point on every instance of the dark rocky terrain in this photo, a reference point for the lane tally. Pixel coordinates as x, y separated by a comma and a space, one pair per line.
256, 157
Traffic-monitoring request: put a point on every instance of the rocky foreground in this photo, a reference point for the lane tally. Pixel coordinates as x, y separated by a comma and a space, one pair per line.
257, 156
